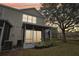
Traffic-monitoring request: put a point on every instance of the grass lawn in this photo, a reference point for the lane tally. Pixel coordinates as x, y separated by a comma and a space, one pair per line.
71, 48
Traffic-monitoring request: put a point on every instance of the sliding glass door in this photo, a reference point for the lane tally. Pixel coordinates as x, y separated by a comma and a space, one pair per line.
38, 36
28, 36
32, 36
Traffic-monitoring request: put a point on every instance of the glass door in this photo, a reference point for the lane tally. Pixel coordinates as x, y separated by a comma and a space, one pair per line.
38, 36
28, 36
32, 36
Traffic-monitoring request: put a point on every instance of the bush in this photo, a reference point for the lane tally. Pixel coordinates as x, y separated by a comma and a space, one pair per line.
44, 44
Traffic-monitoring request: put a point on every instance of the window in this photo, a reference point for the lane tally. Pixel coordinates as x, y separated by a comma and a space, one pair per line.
28, 36
6, 33
38, 36
35, 36
25, 18
32, 36
30, 19
34, 19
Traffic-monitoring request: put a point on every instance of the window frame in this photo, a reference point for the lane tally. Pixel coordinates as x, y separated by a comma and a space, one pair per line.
29, 19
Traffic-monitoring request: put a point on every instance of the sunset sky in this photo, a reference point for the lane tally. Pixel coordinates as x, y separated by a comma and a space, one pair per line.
23, 5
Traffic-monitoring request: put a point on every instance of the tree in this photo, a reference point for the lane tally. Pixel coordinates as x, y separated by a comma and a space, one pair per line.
66, 15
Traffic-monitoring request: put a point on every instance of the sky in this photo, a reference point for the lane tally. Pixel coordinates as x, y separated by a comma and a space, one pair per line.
23, 5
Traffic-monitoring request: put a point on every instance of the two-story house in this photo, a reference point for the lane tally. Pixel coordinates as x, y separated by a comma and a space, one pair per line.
21, 28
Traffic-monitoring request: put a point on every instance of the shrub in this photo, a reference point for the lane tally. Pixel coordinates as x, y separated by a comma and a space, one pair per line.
44, 44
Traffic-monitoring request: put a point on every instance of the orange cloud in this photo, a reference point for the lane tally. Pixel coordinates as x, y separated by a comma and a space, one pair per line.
23, 5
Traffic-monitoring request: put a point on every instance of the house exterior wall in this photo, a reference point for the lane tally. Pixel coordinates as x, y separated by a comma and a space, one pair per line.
30, 38
15, 19
40, 21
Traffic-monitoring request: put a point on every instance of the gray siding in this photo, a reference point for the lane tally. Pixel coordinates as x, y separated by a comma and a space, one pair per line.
40, 21
15, 18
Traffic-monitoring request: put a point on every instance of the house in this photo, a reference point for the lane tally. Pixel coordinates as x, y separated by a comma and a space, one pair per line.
21, 28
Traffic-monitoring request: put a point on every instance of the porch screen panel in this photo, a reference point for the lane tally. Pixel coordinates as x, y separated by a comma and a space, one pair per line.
38, 36
28, 36
35, 36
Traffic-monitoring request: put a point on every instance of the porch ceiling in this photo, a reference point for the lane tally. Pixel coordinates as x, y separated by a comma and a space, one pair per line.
32, 26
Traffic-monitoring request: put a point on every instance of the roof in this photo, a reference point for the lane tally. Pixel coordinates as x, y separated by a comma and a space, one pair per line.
28, 11
37, 26
9, 7
32, 11
23, 5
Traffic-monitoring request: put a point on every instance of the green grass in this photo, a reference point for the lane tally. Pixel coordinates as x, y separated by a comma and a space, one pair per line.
71, 48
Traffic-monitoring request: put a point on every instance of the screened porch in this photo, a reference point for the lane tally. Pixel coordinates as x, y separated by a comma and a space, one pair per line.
34, 33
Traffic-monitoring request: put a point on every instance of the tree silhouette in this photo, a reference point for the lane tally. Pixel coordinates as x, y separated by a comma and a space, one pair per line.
66, 15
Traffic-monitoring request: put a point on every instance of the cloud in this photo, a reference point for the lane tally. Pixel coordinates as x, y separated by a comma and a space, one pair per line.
23, 5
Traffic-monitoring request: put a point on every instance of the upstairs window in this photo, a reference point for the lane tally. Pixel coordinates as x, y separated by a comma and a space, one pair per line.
25, 18
29, 19
34, 20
